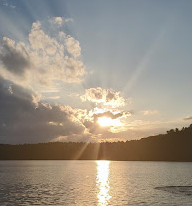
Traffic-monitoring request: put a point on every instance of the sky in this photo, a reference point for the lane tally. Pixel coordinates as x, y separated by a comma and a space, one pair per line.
94, 71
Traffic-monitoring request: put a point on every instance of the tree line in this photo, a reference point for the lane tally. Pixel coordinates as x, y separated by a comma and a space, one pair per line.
175, 145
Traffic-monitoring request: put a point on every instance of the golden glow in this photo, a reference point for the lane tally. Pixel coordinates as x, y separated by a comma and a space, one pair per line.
108, 122
103, 182
104, 121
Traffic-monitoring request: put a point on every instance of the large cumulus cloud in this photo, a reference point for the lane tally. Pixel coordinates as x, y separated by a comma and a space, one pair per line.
46, 56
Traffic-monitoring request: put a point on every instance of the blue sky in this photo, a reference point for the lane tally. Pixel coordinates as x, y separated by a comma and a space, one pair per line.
140, 50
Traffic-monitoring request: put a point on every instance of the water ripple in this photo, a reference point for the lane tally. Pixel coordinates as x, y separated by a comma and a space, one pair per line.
183, 190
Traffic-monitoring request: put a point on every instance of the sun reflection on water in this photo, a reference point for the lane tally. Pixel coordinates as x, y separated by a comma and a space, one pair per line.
103, 182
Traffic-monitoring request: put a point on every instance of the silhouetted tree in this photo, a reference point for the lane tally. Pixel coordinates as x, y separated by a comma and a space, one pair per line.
176, 130
173, 146
170, 131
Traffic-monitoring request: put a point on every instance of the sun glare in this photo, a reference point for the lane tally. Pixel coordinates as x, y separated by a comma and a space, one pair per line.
103, 182
108, 122
105, 121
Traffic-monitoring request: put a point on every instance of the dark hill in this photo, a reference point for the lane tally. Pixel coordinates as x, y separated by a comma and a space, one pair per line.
176, 145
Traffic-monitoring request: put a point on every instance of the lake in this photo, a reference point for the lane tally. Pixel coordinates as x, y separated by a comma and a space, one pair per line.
95, 183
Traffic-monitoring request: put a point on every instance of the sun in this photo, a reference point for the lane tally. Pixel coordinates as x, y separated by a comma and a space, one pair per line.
108, 122
104, 121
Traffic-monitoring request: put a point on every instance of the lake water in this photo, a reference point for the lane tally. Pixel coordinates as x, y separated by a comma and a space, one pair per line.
95, 183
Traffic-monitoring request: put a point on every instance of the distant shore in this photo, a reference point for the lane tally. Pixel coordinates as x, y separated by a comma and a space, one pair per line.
173, 146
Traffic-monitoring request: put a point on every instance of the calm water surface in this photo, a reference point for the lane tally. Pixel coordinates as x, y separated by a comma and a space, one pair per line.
95, 183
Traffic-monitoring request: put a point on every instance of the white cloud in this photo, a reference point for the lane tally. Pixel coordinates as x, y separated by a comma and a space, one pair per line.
5, 3
150, 112
44, 60
106, 97
73, 47
36, 99
60, 20
188, 118
53, 97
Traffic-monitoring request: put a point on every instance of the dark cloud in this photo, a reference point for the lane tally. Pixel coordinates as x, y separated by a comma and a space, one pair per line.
111, 95
14, 60
22, 122
94, 128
